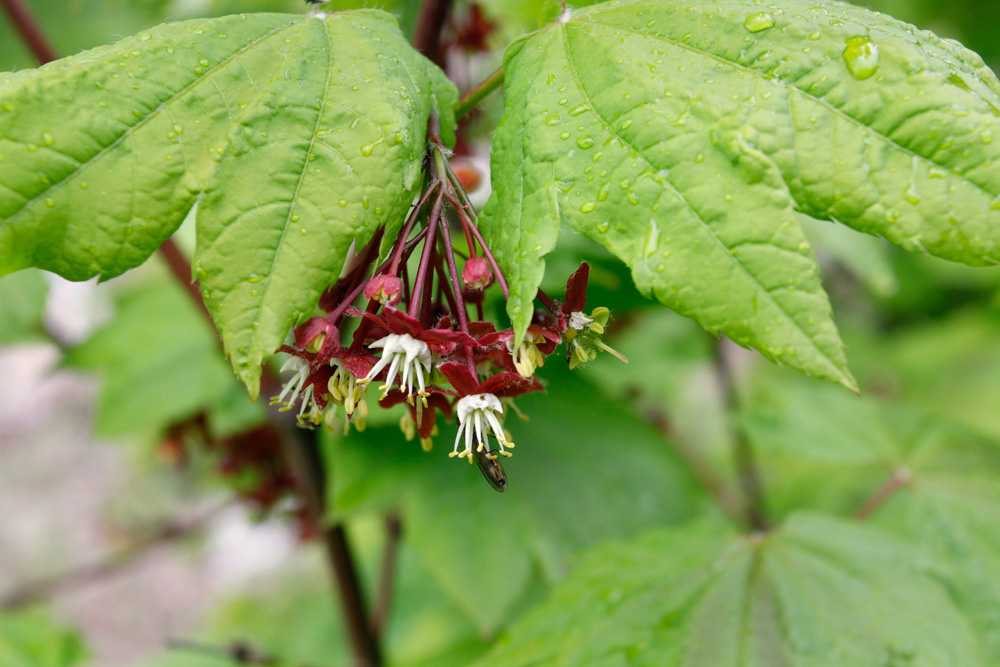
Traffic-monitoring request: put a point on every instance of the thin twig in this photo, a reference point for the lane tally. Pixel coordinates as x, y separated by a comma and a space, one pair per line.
85, 575
726, 496
901, 477
27, 27
746, 466
387, 574
303, 456
239, 652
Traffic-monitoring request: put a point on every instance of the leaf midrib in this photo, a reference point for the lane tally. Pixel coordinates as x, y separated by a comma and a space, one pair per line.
793, 88
845, 377
129, 131
305, 167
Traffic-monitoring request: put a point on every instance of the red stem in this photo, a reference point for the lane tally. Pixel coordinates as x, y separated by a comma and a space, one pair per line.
26, 26
449, 297
339, 310
463, 317
418, 285
405, 233
486, 251
547, 301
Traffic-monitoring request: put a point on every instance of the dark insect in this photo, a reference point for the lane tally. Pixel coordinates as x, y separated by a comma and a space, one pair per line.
491, 468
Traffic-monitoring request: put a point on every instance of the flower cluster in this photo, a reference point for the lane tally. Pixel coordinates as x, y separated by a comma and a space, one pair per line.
422, 340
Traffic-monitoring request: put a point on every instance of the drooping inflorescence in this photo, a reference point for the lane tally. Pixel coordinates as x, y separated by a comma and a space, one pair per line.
416, 340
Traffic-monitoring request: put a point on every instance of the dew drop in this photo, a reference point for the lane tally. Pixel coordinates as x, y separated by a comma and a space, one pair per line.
861, 56
50, 202
587, 207
367, 149
47, 139
584, 142
603, 227
758, 22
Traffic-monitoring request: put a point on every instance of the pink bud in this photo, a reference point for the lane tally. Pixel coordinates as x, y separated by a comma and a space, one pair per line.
386, 289
477, 273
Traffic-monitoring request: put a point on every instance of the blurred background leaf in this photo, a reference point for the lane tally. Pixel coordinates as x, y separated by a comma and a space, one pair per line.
32, 639
161, 364
585, 469
22, 307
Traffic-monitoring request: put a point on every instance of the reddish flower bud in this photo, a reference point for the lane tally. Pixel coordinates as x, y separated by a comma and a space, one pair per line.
467, 173
386, 289
477, 273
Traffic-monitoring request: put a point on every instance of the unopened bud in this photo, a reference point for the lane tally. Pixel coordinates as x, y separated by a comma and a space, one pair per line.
477, 273
386, 289
467, 174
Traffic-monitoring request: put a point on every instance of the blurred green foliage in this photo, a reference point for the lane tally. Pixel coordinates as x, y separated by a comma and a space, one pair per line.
32, 639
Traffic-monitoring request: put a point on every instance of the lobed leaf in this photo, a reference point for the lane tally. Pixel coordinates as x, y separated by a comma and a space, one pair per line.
685, 136
838, 452
304, 134
331, 151
103, 153
817, 591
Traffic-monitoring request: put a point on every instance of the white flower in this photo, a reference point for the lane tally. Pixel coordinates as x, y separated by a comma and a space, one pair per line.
405, 356
477, 416
292, 388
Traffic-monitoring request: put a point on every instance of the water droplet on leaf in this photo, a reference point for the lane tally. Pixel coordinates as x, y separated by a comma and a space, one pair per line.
758, 22
861, 56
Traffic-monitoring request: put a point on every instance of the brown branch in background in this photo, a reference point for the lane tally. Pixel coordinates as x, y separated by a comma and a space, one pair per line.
727, 497
900, 478
181, 270
26, 26
387, 574
80, 577
746, 466
239, 652
304, 457
427, 36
